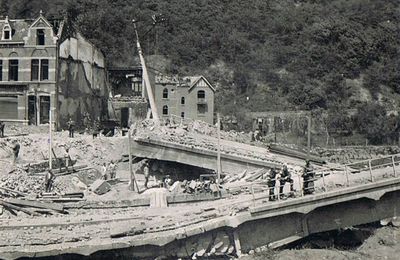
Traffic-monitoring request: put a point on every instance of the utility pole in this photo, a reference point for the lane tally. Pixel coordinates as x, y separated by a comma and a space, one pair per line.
146, 76
219, 150
308, 135
50, 141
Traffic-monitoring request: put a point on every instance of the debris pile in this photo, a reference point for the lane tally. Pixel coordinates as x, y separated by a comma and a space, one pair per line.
19, 180
197, 137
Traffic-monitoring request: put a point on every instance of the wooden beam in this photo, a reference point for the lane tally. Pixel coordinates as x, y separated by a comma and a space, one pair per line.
35, 204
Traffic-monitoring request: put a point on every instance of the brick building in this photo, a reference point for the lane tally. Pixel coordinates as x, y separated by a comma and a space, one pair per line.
49, 65
187, 97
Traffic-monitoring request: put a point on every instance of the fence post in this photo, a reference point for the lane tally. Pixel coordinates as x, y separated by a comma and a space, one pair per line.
370, 170
252, 193
323, 180
279, 188
394, 166
347, 175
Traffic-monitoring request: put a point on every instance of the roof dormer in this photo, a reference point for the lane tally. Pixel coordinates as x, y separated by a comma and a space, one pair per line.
7, 31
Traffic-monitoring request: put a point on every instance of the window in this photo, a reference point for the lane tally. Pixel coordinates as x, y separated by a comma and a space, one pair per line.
165, 110
1, 70
40, 37
13, 70
165, 93
35, 69
40, 67
201, 94
201, 108
44, 69
182, 100
183, 114
6, 32
137, 88
7, 35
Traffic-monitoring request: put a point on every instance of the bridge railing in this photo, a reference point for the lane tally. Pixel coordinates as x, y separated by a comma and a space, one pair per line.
365, 170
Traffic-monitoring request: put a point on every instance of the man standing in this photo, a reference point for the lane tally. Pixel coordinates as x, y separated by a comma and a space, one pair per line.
48, 180
16, 147
71, 126
112, 169
271, 183
286, 177
146, 173
2, 125
308, 178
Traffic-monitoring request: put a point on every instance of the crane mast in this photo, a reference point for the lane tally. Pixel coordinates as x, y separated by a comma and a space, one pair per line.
146, 77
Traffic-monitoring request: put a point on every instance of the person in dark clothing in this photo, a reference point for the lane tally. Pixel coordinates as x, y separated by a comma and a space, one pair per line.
71, 127
2, 125
286, 177
271, 183
308, 178
146, 173
48, 180
16, 147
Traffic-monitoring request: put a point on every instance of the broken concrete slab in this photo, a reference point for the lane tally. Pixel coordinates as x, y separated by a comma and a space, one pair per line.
100, 187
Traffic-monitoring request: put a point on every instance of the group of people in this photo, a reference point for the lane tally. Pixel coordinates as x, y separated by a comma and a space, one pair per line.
109, 171
284, 176
96, 126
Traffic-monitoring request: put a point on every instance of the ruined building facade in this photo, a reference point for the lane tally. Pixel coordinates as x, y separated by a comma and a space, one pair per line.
176, 98
189, 97
48, 65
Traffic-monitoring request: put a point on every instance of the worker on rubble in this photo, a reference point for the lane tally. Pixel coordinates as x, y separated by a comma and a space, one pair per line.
308, 178
271, 183
67, 157
16, 147
286, 176
112, 169
104, 172
71, 127
2, 125
48, 180
146, 173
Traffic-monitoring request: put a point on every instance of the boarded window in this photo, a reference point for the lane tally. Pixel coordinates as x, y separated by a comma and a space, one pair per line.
40, 37
44, 109
35, 69
13, 70
201, 108
165, 110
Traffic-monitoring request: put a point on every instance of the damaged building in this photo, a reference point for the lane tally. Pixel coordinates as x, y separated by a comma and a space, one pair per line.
176, 98
48, 65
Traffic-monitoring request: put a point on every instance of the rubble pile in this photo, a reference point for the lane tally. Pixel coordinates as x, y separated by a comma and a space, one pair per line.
195, 136
19, 180
351, 154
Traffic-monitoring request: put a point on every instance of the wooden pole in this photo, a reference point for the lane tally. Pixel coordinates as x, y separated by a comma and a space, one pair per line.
394, 166
219, 150
132, 186
347, 175
370, 170
50, 141
308, 136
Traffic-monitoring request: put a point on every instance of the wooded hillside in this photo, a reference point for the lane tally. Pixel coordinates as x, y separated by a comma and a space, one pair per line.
281, 54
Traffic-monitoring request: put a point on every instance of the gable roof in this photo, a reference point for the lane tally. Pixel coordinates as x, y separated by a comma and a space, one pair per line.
193, 80
20, 27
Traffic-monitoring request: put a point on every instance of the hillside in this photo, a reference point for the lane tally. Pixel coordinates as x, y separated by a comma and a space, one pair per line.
282, 54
